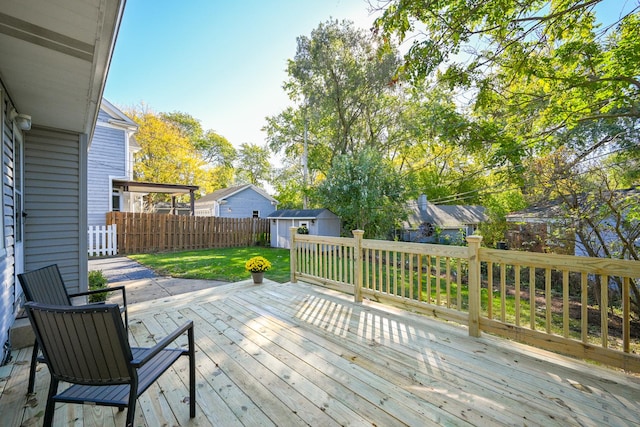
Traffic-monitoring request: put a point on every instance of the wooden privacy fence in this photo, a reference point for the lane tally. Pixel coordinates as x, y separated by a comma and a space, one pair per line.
151, 232
574, 305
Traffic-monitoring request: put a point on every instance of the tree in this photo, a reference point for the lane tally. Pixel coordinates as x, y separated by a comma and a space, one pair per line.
253, 165
365, 191
535, 67
166, 155
215, 150
344, 92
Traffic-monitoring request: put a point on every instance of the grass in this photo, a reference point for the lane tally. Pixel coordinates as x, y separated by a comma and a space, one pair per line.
225, 264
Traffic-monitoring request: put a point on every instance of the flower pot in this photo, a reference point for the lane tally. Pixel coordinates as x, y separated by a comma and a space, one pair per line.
257, 277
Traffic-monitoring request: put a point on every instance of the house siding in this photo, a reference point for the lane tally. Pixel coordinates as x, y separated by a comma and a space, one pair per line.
55, 193
8, 290
107, 159
242, 205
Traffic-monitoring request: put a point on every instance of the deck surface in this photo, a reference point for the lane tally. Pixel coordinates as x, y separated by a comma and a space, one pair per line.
296, 355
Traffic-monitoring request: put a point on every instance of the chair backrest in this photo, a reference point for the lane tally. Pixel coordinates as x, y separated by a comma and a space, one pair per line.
45, 285
84, 344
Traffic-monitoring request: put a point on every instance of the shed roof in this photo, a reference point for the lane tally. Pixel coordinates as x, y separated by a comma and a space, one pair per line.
446, 216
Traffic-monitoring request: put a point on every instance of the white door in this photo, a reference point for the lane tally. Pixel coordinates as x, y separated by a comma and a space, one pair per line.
18, 202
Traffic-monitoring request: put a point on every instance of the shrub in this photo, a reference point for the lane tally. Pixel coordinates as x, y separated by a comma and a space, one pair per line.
97, 281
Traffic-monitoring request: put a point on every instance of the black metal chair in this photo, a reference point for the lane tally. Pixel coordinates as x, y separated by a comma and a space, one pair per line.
45, 285
87, 346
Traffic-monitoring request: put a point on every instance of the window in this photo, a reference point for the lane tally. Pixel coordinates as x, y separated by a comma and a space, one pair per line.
115, 201
256, 214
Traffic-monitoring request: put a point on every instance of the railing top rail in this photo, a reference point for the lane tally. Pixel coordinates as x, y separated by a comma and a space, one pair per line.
418, 248
309, 238
615, 267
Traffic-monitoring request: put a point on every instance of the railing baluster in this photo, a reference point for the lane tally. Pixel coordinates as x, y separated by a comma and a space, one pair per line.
604, 310
516, 280
565, 303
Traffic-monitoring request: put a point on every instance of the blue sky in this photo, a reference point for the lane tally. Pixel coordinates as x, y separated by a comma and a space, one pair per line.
223, 62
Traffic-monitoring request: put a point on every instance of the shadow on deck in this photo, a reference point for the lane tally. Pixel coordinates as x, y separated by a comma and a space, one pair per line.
296, 354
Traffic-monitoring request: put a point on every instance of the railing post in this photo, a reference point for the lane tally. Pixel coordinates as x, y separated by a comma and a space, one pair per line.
474, 285
357, 265
292, 253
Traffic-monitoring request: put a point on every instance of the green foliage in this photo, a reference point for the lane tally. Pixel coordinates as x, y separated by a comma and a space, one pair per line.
97, 281
176, 150
497, 206
535, 71
346, 101
253, 165
365, 191
225, 264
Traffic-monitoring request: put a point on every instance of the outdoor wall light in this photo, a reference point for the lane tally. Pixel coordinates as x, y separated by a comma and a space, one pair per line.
22, 120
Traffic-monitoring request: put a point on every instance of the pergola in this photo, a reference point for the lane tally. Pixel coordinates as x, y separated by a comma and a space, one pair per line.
152, 187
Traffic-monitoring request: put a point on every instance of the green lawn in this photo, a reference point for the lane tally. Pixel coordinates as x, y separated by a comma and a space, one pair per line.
225, 264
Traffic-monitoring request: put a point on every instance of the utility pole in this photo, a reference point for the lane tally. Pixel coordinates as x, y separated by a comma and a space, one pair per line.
305, 171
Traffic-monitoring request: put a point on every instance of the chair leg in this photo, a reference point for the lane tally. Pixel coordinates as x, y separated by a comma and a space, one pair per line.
32, 370
51, 404
192, 374
133, 398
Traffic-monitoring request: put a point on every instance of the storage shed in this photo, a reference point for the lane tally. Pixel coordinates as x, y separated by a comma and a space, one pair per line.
319, 222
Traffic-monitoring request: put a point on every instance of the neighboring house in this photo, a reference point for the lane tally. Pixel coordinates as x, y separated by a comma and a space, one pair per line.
548, 227
531, 229
242, 201
429, 223
111, 157
318, 222
55, 58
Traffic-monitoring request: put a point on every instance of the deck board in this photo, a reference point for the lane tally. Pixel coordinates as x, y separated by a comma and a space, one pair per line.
295, 355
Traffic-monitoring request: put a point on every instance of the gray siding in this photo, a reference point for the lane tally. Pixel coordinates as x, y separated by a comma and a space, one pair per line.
242, 205
55, 194
107, 159
7, 282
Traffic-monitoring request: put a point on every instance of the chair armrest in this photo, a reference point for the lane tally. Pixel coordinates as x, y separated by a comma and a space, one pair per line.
162, 344
99, 291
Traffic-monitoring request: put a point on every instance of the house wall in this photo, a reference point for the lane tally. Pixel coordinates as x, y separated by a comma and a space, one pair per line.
55, 199
8, 287
242, 205
107, 159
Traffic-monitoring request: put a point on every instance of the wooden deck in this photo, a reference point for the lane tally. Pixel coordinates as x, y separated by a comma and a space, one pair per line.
295, 355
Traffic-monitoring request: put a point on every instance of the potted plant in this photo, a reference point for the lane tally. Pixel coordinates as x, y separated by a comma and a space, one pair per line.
257, 266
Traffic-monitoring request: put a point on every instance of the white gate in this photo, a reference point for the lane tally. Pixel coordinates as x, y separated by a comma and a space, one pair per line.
103, 240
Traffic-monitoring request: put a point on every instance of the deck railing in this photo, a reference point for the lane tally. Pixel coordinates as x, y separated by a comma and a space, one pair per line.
573, 305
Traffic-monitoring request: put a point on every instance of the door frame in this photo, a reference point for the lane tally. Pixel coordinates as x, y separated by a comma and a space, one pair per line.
18, 206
